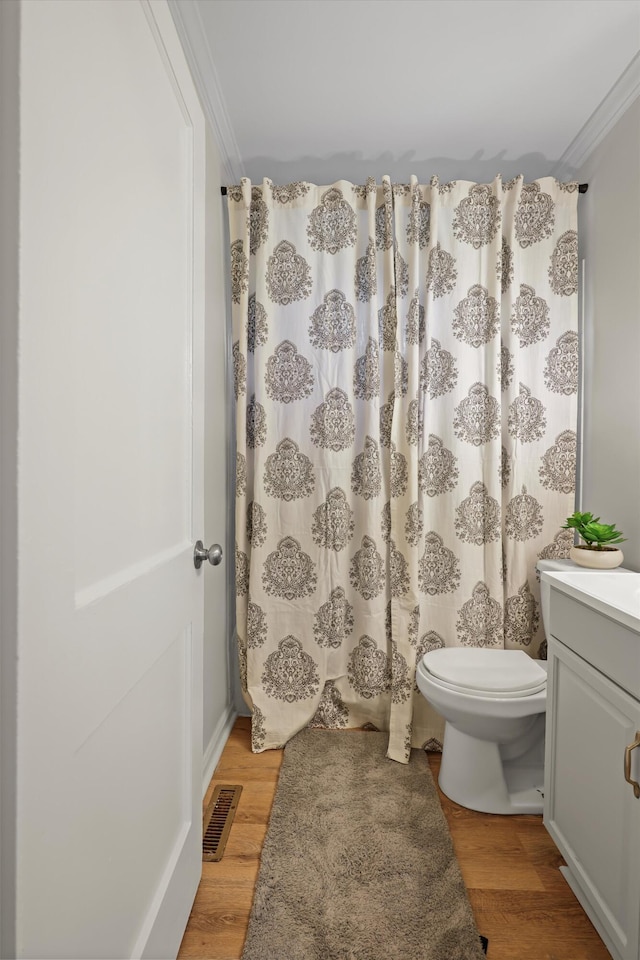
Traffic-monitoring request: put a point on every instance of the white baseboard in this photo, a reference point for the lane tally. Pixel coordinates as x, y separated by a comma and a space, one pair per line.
216, 744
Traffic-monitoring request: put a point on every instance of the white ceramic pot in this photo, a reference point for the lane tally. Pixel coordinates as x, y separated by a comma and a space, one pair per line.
606, 559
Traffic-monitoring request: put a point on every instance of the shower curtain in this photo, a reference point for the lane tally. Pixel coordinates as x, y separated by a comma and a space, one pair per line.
406, 369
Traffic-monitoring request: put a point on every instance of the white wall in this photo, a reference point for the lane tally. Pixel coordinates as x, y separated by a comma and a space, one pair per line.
9, 192
219, 712
609, 229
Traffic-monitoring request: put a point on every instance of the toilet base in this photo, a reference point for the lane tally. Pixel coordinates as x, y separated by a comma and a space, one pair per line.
474, 774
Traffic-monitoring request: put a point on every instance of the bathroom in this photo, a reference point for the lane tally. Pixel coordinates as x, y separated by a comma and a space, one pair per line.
595, 144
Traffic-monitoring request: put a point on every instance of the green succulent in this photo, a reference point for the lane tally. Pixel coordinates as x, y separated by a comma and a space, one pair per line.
594, 533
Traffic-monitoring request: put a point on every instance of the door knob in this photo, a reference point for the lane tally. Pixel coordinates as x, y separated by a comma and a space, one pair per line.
200, 554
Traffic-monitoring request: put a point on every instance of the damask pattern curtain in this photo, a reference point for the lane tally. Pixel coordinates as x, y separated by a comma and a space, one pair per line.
406, 371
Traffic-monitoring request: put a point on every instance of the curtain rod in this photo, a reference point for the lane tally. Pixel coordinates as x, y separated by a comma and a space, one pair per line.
582, 188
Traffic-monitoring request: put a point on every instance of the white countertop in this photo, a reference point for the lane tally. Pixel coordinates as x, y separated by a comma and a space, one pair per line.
615, 593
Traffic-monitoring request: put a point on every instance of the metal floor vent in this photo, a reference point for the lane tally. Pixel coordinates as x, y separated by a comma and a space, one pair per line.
218, 819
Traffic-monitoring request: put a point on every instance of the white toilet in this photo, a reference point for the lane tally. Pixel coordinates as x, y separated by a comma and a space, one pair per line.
493, 702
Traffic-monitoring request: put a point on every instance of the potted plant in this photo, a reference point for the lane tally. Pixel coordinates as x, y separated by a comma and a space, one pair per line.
597, 550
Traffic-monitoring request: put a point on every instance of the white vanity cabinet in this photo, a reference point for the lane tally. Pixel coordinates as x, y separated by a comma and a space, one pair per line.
593, 718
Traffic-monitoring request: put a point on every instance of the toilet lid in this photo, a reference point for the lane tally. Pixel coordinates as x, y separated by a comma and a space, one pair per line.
497, 673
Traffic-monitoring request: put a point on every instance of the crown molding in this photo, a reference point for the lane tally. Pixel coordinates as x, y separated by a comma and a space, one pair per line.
602, 120
186, 16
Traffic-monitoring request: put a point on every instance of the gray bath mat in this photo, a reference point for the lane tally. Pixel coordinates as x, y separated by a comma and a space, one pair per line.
358, 862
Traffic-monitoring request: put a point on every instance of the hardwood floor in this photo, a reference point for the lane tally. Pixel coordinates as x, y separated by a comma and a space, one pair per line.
510, 865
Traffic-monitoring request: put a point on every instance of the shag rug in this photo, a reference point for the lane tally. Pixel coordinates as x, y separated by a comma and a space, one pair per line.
358, 862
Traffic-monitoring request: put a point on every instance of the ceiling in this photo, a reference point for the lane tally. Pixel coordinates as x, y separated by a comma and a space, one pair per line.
322, 90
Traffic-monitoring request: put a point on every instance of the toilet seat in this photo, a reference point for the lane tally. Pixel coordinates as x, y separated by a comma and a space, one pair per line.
498, 674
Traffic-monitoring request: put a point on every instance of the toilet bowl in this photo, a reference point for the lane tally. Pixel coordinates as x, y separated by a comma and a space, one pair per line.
493, 703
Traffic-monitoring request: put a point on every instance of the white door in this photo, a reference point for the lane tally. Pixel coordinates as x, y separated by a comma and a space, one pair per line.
110, 482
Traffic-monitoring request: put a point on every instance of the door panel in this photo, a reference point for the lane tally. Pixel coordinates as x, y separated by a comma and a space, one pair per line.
141, 224
111, 485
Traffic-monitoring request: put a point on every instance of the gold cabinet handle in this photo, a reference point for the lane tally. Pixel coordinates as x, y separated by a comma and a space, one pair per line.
627, 765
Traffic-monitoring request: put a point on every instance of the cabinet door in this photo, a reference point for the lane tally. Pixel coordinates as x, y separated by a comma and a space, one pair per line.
590, 810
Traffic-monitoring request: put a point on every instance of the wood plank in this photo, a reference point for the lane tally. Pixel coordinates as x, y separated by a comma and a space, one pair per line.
256, 802
505, 948
245, 841
521, 911
244, 772
242, 759
213, 938
231, 894
544, 856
